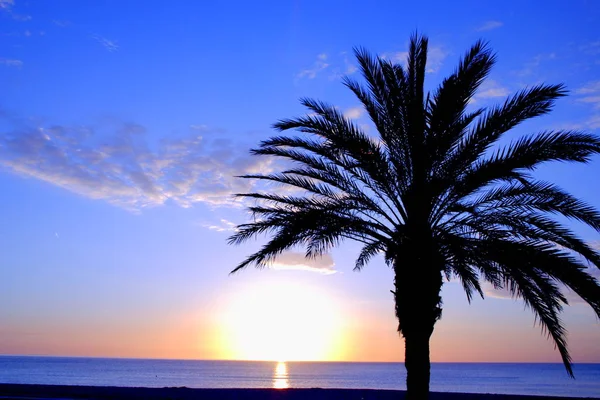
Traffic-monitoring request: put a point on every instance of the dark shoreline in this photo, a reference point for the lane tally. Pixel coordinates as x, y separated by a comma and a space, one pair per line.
19, 391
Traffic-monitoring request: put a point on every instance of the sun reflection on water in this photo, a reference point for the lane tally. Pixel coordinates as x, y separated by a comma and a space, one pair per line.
280, 376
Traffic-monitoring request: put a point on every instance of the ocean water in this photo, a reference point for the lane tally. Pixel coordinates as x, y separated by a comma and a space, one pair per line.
531, 379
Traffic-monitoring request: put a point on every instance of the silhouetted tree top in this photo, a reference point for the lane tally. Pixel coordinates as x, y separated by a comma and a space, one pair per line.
435, 191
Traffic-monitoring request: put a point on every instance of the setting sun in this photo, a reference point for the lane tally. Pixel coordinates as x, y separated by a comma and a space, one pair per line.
281, 322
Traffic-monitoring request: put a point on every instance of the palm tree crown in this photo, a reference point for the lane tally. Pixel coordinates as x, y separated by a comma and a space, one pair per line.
434, 192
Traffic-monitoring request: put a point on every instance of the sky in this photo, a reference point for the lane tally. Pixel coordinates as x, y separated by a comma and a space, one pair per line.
123, 125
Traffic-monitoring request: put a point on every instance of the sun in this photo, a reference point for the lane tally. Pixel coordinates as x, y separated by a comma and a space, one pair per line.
281, 322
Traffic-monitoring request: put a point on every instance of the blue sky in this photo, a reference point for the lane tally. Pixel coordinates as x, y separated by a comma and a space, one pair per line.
123, 124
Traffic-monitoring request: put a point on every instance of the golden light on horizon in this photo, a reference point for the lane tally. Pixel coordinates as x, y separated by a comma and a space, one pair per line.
281, 322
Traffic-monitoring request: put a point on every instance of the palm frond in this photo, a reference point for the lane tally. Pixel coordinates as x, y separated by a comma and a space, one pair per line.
369, 251
526, 104
526, 274
446, 110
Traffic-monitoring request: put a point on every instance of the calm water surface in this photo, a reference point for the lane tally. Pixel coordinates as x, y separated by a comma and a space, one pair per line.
532, 379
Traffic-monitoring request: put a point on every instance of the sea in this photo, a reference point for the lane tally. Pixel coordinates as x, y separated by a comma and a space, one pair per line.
503, 378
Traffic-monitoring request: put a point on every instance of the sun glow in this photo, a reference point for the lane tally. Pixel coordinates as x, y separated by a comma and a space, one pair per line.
281, 322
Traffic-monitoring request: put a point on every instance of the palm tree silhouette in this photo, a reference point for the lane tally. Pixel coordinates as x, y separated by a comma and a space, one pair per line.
435, 193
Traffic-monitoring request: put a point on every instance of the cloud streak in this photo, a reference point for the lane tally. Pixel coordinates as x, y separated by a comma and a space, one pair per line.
318, 66
489, 25
109, 45
354, 112
6, 4
435, 58
532, 66
11, 62
7, 7
61, 23
398, 57
121, 166
491, 89
202, 128
345, 69
222, 226
297, 261
590, 93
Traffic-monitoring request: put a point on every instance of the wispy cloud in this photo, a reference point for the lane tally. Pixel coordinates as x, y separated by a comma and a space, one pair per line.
590, 93
435, 58
346, 68
20, 17
497, 293
297, 261
7, 6
202, 128
398, 57
589, 88
489, 25
119, 165
593, 122
26, 33
11, 62
61, 23
222, 226
591, 48
531, 66
109, 45
349, 67
491, 89
354, 112
594, 100
318, 66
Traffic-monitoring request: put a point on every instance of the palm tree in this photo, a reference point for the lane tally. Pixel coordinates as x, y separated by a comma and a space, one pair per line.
436, 193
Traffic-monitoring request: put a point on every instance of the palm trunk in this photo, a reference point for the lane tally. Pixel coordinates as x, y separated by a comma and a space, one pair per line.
418, 307
417, 282
417, 366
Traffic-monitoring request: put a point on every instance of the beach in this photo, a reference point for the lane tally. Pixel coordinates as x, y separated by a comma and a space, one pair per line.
17, 391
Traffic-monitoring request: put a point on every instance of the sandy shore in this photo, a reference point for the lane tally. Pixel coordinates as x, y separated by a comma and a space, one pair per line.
13, 391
